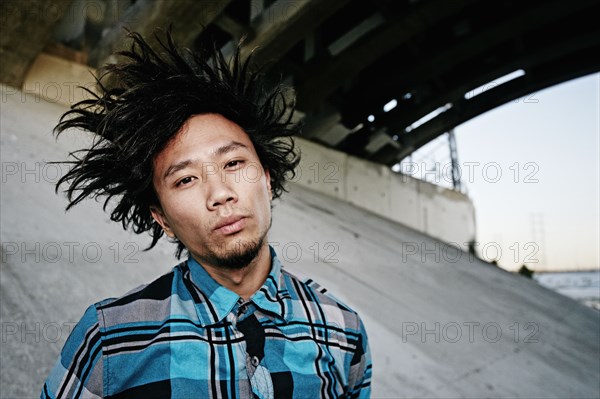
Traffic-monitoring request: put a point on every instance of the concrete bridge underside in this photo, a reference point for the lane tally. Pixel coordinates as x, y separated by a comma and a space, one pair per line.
346, 58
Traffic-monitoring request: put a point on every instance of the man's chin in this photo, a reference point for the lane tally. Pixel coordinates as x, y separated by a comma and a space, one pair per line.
237, 255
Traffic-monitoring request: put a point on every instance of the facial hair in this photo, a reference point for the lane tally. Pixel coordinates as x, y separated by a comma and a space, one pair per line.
243, 253
237, 258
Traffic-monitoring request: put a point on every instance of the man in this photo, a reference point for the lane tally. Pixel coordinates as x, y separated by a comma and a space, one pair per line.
196, 148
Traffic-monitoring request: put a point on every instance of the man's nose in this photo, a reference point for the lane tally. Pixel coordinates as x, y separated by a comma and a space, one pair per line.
220, 191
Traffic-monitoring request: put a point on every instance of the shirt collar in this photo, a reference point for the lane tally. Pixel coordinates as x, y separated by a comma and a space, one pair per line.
273, 294
216, 301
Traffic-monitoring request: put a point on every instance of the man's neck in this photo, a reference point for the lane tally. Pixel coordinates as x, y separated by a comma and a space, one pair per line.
247, 280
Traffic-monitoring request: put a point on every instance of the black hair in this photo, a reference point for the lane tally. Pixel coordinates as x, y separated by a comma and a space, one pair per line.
149, 96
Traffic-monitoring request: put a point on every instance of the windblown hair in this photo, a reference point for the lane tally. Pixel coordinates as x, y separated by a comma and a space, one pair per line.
152, 94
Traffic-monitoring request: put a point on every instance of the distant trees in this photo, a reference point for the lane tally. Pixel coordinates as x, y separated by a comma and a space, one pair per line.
525, 271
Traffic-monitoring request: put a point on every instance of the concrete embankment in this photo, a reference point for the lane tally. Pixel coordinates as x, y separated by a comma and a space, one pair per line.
440, 323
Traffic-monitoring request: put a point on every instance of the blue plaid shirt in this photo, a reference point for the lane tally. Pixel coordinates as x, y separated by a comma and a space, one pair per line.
186, 336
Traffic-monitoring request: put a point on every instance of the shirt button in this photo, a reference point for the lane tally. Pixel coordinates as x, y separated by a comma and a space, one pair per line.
243, 309
255, 361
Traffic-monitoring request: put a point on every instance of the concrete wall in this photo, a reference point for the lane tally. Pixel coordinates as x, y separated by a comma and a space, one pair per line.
442, 213
56, 79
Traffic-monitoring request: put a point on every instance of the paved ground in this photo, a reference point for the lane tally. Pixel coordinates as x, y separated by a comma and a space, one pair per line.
440, 324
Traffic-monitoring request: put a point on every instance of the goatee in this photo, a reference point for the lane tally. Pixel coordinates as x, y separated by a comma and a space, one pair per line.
237, 258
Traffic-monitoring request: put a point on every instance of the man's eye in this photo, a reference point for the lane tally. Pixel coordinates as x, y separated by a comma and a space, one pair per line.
184, 181
233, 164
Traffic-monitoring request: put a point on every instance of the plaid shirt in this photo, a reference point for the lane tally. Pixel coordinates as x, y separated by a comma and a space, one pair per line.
186, 336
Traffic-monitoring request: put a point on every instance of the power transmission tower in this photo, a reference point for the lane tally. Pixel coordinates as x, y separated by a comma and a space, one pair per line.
538, 234
456, 184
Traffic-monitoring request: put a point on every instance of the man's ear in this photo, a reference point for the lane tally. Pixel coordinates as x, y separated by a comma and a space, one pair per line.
268, 177
159, 216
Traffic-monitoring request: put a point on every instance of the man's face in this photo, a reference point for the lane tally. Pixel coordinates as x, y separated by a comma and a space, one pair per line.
215, 196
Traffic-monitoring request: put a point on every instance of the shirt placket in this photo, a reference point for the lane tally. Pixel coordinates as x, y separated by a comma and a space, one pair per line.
258, 374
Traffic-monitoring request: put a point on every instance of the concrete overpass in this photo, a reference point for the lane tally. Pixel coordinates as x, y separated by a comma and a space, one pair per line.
346, 58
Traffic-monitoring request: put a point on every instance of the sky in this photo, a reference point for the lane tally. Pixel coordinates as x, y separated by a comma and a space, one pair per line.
531, 167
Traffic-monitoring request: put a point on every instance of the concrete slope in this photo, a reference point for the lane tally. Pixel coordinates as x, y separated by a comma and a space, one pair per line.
440, 324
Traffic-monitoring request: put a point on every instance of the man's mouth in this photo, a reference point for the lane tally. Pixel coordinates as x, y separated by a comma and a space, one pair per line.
230, 225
